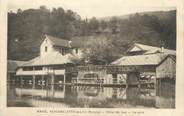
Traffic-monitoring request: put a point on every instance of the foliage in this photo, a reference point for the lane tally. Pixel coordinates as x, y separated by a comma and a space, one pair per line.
100, 48
110, 38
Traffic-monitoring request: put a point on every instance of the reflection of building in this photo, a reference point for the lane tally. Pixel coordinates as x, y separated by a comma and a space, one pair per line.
112, 97
12, 68
87, 96
95, 93
42, 93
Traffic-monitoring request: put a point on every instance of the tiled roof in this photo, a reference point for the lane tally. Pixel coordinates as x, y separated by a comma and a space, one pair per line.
49, 59
58, 41
150, 59
14, 64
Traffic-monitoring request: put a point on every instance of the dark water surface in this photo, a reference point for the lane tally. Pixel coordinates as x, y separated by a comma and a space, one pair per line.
88, 96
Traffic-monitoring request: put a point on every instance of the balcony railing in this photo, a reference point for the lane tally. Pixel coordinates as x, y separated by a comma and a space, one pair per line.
41, 72
111, 68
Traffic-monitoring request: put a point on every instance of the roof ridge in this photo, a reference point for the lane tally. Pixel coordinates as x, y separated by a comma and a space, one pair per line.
151, 46
58, 41
52, 37
151, 59
147, 45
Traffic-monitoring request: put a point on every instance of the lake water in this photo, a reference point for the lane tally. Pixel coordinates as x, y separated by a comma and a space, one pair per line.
90, 97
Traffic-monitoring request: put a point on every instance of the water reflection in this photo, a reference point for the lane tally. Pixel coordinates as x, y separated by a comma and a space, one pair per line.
88, 96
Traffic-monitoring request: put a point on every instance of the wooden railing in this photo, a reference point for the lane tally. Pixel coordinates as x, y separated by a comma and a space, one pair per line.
86, 68
111, 68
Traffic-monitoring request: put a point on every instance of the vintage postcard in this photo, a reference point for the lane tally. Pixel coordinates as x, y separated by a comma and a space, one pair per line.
92, 57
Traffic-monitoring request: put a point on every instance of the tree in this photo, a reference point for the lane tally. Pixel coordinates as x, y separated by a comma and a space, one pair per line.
27, 27
93, 25
44, 9
100, 49
103, 24
19, 11
113, 25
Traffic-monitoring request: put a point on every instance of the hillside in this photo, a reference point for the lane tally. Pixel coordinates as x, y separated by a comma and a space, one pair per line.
26, 28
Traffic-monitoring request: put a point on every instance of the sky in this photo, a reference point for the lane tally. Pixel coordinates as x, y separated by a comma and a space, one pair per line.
97, 8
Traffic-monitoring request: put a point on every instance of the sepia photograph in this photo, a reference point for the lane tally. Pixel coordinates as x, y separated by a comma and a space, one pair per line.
71, 56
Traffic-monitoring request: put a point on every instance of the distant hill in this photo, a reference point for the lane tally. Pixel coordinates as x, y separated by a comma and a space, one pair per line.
159, 14
26, 28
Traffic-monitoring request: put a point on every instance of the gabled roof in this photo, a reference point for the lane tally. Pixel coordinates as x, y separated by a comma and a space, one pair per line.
50, 59
168, 56
151, 49
150, 59
58, 41
14, 64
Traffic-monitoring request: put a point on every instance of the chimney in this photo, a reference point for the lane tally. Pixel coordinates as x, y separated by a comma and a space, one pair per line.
162, 49
70, 43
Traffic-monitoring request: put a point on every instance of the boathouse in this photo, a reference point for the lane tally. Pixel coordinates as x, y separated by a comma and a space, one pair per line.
49, 67
142, 63
55, 65
155, 62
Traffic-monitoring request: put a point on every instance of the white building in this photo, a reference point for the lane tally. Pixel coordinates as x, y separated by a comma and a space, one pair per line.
55, 55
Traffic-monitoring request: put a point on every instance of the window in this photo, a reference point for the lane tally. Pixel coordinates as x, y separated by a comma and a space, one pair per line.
27, 68
91, 75
63, 51
58, 67
38, 68
45, 48
76, 51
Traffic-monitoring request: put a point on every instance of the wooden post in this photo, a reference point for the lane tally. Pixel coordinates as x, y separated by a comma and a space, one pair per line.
64, 79
21, 86
52, 85
156, 86
77, 77
47, 86
160, 87
34, 81
47, 81
64, 82
42, 84
42, 81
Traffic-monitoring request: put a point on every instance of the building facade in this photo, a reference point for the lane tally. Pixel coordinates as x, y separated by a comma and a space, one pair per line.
156, 62
56, 57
